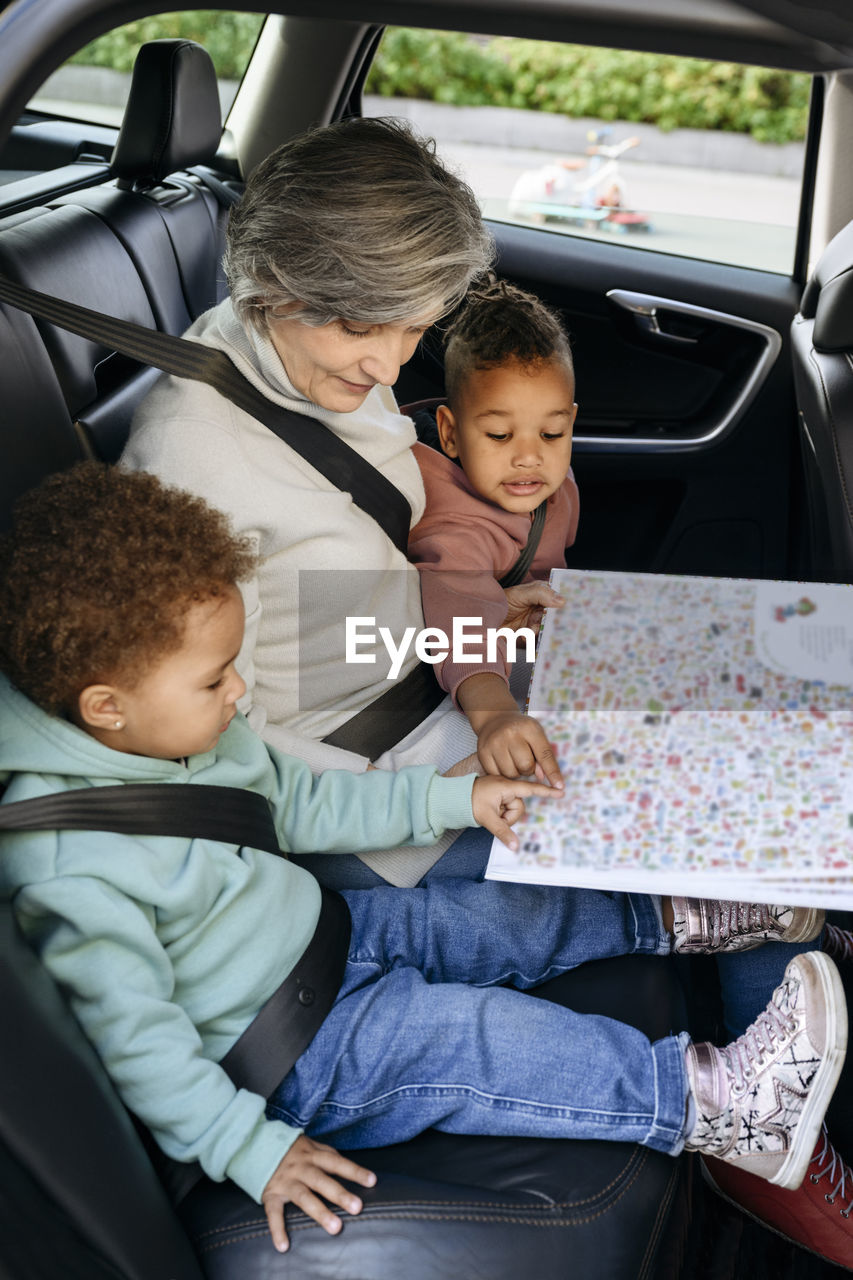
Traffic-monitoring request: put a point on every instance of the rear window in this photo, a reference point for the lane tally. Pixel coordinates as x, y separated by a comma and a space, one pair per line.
93, 85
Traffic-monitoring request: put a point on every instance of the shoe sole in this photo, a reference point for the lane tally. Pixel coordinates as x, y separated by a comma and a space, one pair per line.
793, 1168
708, 1178
810, 927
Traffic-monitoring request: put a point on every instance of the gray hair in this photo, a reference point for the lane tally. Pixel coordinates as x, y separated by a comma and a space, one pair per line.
358, 220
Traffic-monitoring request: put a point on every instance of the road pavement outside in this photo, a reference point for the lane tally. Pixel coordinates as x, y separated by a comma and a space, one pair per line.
745, 219
723, 197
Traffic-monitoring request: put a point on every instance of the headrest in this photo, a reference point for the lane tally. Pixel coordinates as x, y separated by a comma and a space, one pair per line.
828, 296
172, 119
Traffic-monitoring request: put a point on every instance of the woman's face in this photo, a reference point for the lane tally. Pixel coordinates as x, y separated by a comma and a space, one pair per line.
335, 365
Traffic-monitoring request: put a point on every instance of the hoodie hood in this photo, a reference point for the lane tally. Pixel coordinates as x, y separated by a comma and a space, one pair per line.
31, 741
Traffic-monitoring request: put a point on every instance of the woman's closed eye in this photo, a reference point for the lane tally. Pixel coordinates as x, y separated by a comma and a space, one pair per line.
352, 331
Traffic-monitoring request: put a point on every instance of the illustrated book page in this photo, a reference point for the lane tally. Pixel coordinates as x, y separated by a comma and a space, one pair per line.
704, 729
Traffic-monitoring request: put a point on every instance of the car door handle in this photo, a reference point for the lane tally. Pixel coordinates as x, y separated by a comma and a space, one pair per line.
654, 325
659, 323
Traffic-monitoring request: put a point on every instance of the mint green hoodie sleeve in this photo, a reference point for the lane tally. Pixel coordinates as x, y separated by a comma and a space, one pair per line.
101, 947
341, 812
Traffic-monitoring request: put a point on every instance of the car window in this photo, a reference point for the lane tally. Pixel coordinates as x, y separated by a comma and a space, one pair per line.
94, 84
680, 155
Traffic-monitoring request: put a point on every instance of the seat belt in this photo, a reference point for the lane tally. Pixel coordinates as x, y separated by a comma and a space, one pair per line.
407, 702
287, 1022
327, 453
226, 196
229, 815
518, 572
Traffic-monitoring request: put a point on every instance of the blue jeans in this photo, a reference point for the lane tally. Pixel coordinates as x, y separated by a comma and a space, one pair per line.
422, 1035
465, 858
747, 978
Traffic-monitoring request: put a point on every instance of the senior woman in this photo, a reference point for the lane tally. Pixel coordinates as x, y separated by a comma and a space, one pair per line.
349, 242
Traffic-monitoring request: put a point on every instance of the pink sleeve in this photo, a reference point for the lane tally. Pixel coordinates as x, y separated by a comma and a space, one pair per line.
449, 592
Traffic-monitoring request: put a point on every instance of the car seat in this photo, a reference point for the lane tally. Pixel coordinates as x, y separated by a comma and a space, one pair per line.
445, 1207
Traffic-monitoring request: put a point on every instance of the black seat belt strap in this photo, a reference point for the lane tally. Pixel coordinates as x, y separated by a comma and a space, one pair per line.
345, 468
229, 815
226, 196
519, 570
288, 1021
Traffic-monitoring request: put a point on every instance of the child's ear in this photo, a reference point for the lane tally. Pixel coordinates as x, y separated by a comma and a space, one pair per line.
99, 707
446, 424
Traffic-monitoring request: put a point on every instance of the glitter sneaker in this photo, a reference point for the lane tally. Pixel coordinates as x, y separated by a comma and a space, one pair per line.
703, 925
816, 1216
760, 1101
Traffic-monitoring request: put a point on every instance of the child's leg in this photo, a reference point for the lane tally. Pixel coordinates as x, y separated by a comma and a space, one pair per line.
491, 933
397, 1055
747, 976
400, 1055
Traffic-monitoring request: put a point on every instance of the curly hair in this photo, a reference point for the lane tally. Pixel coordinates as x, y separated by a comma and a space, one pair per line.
96, 576
497, 323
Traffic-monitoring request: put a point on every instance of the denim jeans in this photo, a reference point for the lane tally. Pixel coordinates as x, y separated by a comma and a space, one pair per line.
422, 1035
747, 978
466, 857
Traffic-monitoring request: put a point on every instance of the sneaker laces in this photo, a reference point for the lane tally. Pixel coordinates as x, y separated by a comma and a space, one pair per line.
733, 919
840, 1175
745, 1054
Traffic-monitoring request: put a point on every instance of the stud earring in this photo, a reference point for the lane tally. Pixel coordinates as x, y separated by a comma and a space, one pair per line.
118, 724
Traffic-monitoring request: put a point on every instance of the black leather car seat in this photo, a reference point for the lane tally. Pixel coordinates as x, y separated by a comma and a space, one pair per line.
146, 246
822, 348
444, 1208
170, 133
38, 433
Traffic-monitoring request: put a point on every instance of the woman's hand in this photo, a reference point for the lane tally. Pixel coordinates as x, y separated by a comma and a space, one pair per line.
527, 603
514, 745
303, 1175
469, 764
498, 803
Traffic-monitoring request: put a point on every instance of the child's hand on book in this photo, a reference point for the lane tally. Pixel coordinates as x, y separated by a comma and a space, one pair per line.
526, 604
303, 1175
515, 745
498, 803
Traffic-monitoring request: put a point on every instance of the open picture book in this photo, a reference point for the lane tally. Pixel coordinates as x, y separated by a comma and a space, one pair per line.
704, 729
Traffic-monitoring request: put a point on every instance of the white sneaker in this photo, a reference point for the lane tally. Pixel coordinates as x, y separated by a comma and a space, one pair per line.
760, 1101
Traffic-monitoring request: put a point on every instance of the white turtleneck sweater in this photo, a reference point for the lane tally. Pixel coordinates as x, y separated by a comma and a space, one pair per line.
322, 559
